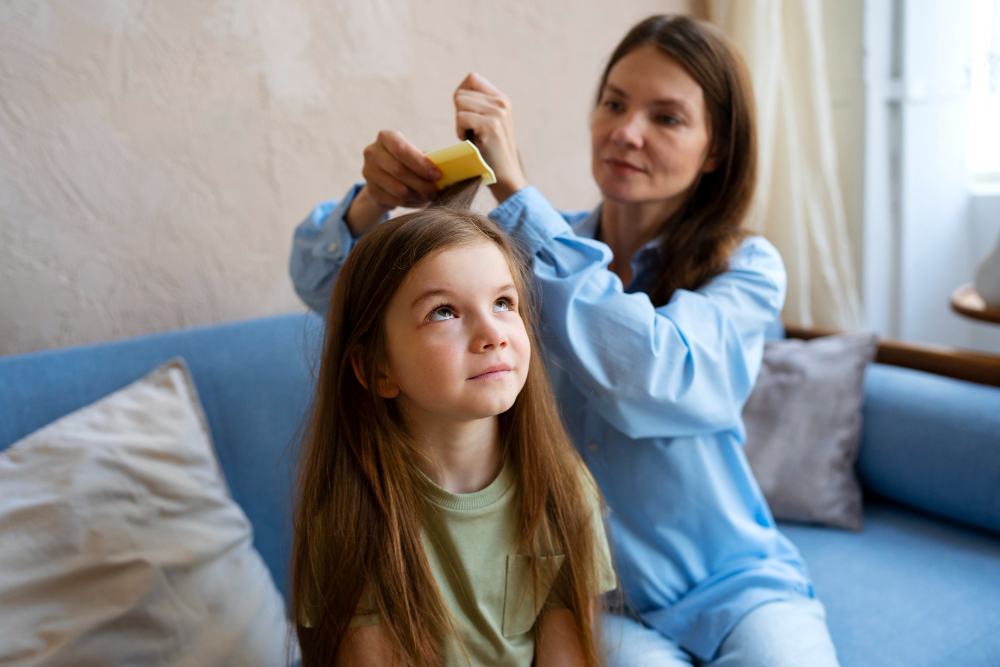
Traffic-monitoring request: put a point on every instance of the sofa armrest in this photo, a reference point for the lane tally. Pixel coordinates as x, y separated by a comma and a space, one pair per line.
939, 360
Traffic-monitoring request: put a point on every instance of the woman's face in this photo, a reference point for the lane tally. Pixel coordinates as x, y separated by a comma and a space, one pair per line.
650, 131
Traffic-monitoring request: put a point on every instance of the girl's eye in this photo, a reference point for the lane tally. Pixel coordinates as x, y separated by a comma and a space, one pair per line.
666, 119
503, 304
441, 313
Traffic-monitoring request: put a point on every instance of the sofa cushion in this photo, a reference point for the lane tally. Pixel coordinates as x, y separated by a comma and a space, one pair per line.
908, 591
253, 378
122, 545
932, 443
803, 423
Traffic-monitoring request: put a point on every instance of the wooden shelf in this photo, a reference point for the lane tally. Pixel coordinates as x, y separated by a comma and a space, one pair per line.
966, 301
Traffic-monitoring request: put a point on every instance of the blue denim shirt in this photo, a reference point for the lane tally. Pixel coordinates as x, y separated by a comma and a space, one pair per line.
652, 397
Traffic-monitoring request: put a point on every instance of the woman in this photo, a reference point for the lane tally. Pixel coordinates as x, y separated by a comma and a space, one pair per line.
655, 307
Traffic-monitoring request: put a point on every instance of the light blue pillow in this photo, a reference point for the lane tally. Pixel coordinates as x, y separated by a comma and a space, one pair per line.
933, 443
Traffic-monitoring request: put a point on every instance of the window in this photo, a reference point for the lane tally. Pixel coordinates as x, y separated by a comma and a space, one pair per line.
984, 102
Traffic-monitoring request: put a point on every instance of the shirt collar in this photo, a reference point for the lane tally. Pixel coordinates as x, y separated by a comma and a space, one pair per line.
587, 228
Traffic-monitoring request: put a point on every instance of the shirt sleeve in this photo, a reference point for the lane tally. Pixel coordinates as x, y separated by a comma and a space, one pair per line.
320, 246
684, 368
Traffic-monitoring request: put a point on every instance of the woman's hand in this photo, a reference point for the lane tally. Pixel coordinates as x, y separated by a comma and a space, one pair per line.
483, 108
396, 173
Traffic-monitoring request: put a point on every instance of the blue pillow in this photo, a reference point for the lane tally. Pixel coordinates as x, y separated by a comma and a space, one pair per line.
932, 443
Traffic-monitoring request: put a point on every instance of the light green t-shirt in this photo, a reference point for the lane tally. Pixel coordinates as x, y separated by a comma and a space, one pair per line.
469, 540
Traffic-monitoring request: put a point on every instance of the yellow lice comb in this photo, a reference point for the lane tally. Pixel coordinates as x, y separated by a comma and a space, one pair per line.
460, 162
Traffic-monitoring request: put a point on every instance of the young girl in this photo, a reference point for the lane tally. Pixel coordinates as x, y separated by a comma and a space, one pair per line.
443, 517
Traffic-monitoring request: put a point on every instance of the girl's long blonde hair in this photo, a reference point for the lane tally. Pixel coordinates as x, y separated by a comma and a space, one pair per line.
358, 510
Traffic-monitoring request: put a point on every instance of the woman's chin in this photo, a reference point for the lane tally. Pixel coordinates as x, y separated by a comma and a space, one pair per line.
620, 193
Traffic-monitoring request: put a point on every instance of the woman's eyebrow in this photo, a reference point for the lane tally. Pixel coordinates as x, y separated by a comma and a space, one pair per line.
611, 88
660, 101
671, 102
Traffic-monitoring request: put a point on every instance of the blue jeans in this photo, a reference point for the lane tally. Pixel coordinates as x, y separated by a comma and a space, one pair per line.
790, 633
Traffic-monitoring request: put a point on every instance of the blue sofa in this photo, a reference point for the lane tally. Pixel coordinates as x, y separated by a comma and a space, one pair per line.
919, 586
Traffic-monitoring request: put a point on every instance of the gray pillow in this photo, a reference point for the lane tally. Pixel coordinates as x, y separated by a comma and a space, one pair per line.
803, 423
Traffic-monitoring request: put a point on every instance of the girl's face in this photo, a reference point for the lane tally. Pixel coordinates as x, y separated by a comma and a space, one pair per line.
649, 132
456, 347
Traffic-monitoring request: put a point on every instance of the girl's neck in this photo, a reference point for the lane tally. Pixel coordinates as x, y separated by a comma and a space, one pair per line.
627, 227
461, 457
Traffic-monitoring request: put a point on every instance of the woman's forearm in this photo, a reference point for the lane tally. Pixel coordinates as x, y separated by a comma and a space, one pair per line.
364, 213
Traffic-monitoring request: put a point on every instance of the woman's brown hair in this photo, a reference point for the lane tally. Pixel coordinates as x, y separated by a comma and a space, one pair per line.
696, 241
357, 518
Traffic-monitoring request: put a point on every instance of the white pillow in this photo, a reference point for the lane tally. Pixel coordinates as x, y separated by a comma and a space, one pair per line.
120, 543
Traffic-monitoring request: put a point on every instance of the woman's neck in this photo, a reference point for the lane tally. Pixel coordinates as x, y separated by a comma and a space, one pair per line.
626, 227
462, 457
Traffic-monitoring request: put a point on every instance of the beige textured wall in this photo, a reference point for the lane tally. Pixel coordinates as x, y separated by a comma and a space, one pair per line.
155, 156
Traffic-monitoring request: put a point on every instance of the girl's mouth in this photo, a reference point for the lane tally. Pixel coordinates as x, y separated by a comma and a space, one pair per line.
492, 372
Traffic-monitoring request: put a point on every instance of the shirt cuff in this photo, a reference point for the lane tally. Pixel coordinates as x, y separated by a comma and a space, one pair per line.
335, 238
529, 217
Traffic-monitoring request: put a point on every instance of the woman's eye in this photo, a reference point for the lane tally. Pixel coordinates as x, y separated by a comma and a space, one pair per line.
441, 313
666, 119
503, 304
614, 105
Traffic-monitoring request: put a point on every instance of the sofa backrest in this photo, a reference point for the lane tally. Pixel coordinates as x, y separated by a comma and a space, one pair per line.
254, 379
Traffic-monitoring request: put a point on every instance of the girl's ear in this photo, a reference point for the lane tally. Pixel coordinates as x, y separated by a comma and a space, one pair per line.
384, 386
359, 372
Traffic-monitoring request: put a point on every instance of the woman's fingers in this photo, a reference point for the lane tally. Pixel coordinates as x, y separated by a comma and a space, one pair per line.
408, 155
398, 173
478, 82
496, 106
483, 108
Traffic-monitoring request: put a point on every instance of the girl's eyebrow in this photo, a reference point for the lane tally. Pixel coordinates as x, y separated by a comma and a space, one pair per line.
435, 292
440, 292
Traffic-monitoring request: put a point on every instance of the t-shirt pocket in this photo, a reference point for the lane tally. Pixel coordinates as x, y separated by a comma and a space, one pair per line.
521, 605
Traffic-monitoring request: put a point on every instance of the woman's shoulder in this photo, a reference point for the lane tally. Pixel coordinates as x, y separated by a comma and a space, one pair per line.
757, 256
530, 198
755, 268
756, 250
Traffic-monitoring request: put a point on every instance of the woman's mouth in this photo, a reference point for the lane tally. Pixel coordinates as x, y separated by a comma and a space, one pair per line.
623, 167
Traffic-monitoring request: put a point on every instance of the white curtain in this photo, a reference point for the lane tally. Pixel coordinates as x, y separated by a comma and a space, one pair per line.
799, 205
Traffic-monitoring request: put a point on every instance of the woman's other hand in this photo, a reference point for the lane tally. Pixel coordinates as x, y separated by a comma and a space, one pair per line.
483, 108
396, 173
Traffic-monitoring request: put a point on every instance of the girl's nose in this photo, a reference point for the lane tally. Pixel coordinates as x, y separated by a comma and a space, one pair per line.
628, 131
489, 337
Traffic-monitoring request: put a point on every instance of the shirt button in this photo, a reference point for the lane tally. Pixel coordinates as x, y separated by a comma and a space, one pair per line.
592, 446
332, 248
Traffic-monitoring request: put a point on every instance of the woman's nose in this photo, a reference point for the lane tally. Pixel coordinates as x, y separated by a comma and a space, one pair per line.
628, 132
